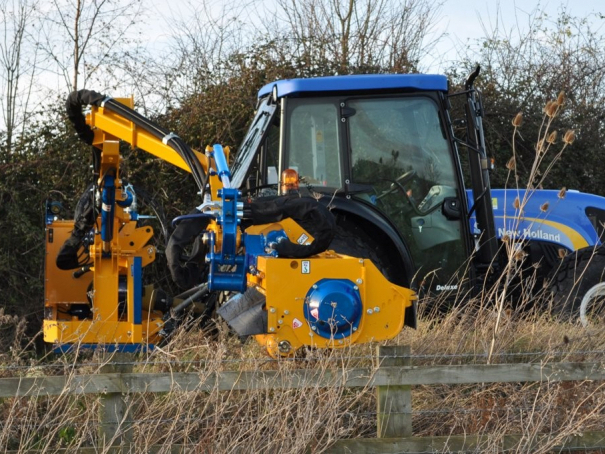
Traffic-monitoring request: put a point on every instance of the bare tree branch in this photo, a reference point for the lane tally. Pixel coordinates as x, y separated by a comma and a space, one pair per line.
15, 63
361, 35
82, 36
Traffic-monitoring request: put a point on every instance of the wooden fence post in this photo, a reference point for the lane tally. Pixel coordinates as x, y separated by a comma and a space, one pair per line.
394, 413
115, 427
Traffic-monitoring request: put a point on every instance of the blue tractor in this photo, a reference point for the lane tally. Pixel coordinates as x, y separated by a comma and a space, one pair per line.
560, 234
381, 152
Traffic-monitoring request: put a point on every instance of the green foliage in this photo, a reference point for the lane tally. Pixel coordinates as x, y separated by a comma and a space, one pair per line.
67, 435
47, 161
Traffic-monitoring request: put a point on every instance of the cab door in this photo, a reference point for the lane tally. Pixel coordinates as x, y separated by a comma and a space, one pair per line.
399, 149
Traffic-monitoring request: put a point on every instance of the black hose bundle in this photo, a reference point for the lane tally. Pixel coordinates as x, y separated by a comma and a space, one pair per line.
74, 253
187, 232
75, 101
311, 215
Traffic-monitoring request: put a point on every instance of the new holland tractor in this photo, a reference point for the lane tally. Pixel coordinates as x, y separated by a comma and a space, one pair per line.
345, 199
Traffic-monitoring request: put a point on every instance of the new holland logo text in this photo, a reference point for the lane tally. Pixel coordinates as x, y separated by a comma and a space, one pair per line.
529, 233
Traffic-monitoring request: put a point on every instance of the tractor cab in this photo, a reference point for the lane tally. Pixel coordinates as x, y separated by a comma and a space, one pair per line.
379, 151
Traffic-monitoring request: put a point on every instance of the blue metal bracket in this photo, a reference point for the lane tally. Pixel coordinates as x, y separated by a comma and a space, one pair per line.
229, 221
136, 273
225, 280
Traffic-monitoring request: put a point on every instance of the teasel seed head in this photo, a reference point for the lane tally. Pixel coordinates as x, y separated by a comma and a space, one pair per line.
561, 98
519, 255
562, 192
511, 164
569, 137
551, 108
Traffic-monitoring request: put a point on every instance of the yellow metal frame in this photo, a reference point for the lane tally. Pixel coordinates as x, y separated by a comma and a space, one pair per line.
112, 259
285, 284
62, 290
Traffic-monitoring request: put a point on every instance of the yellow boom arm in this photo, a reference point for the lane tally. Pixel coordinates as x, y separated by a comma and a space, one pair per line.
108, 124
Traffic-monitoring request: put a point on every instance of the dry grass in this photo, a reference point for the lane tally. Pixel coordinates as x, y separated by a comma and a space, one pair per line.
312, 419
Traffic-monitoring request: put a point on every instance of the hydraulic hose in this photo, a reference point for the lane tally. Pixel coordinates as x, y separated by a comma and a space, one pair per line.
200, 291
78, 99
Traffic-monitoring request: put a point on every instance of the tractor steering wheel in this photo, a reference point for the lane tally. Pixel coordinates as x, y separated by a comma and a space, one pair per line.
399, 183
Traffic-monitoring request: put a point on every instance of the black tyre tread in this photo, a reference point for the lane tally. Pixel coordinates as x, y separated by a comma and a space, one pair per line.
353, 242
587, 266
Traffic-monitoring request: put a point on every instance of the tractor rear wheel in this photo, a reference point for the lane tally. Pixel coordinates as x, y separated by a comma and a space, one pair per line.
579, 286
351, 240
354, 242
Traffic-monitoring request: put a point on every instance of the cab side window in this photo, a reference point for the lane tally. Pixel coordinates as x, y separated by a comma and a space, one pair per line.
313, 145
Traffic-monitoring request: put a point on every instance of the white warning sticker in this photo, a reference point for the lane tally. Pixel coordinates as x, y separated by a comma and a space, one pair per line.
305, 267
296, 323
302, 239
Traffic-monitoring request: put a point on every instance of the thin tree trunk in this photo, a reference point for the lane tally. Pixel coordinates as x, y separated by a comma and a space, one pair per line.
77, 44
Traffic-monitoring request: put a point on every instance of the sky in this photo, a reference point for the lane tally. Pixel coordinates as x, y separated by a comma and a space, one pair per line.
460, 24
461, 20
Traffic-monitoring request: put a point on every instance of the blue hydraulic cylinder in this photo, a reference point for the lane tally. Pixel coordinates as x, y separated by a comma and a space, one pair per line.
127, 201
229, 221
222, 167
136, 274
108, 208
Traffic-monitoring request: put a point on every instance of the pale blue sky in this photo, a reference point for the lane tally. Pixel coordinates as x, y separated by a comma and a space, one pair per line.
461, 20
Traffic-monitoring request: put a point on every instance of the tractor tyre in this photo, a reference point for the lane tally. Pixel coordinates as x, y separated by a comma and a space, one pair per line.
578, 286
352, 241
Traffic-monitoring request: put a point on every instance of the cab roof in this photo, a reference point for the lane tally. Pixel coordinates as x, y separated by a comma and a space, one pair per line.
357, 83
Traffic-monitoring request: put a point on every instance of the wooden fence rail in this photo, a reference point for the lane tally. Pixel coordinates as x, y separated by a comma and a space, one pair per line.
351, 378
393, 380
